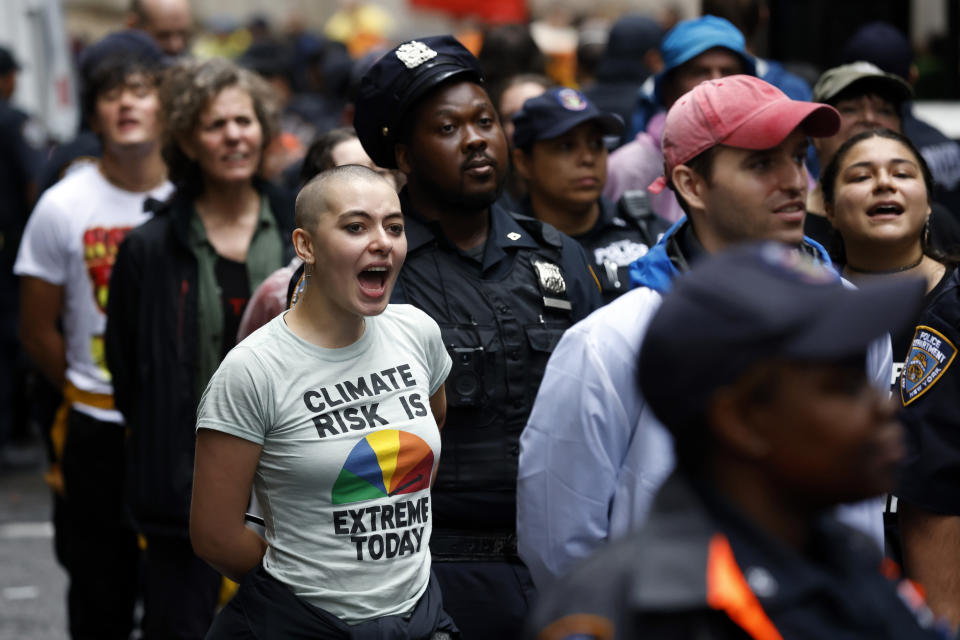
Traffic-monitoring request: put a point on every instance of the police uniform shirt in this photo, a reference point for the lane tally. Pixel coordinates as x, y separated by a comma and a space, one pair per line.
614, 241
504, 237
500, 318
834, 589
903, 341
929, 391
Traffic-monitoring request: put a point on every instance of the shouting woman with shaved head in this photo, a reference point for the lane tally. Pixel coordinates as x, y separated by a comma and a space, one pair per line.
331, 412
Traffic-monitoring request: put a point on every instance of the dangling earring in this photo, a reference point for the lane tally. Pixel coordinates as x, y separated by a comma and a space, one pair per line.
301, 285
925, 235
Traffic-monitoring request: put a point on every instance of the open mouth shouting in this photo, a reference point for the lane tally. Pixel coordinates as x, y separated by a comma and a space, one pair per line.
373, 280
883, 209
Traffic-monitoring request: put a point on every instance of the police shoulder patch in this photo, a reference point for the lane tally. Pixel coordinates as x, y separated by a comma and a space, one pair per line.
931, 353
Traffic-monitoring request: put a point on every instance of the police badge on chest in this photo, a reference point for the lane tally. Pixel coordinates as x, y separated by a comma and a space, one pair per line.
552, 285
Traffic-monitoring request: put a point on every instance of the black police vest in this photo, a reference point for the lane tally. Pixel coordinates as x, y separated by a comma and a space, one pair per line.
635, 224
500, 334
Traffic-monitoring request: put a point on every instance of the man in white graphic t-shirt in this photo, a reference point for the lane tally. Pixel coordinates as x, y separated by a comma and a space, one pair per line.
64, 264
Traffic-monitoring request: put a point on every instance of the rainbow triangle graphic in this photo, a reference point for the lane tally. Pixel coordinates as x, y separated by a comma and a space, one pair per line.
385, 463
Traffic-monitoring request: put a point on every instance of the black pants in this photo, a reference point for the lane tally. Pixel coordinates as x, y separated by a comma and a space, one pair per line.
93, 539
487, 599
265, 609
182, 591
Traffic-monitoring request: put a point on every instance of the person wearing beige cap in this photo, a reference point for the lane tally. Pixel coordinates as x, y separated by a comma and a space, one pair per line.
867, 98
592, 454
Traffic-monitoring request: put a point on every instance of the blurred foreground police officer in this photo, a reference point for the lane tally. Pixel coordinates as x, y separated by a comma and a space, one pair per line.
502, 288
755, 363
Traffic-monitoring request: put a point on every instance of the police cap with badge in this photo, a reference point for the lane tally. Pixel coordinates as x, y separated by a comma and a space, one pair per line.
557, 111
394, 84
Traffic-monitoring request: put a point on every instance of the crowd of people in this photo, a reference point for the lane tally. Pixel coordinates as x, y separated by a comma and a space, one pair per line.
361, 340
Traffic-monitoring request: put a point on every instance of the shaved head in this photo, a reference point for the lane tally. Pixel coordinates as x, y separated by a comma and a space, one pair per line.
312, 201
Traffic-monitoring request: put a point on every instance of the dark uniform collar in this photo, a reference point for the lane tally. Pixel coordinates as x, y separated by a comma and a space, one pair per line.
609, 216
672, 561
782, 576
505, 233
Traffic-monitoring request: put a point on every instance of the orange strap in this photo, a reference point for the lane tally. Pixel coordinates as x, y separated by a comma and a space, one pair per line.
58, 432
727, 591
596, 280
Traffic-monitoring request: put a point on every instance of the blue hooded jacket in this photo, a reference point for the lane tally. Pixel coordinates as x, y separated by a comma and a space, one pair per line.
655, 270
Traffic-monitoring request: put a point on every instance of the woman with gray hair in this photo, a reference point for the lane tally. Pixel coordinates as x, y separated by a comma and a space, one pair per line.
180, 285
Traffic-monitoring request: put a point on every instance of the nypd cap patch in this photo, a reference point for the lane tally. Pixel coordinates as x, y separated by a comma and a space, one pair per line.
931, 353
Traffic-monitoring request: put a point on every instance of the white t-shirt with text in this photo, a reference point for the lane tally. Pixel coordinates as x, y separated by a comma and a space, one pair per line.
349, 449
71, 240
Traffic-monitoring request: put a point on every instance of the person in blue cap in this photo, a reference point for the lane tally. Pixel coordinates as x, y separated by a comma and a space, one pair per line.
503, 289
755, 364
695, 50
559, 152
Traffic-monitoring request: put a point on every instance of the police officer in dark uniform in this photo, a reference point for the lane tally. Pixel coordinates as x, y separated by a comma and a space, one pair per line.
559, 151
755, 364
929, 491
503, 288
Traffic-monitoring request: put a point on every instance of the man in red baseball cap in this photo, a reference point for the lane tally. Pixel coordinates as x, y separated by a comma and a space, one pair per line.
733, 152
593, 454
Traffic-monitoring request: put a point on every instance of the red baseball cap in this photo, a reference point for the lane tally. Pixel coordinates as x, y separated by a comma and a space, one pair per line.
737, 111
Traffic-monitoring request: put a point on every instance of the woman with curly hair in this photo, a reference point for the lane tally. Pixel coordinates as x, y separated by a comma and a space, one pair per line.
179, 288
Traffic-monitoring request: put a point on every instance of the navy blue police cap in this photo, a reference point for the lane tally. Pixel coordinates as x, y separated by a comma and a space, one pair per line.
396, 81
555, 112
756, 303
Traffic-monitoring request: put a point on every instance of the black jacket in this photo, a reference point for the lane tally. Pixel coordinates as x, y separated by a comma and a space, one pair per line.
151, 348
698, 568
500, 320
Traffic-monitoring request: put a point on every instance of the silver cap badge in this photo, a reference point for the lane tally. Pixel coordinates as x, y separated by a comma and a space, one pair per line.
414, 53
